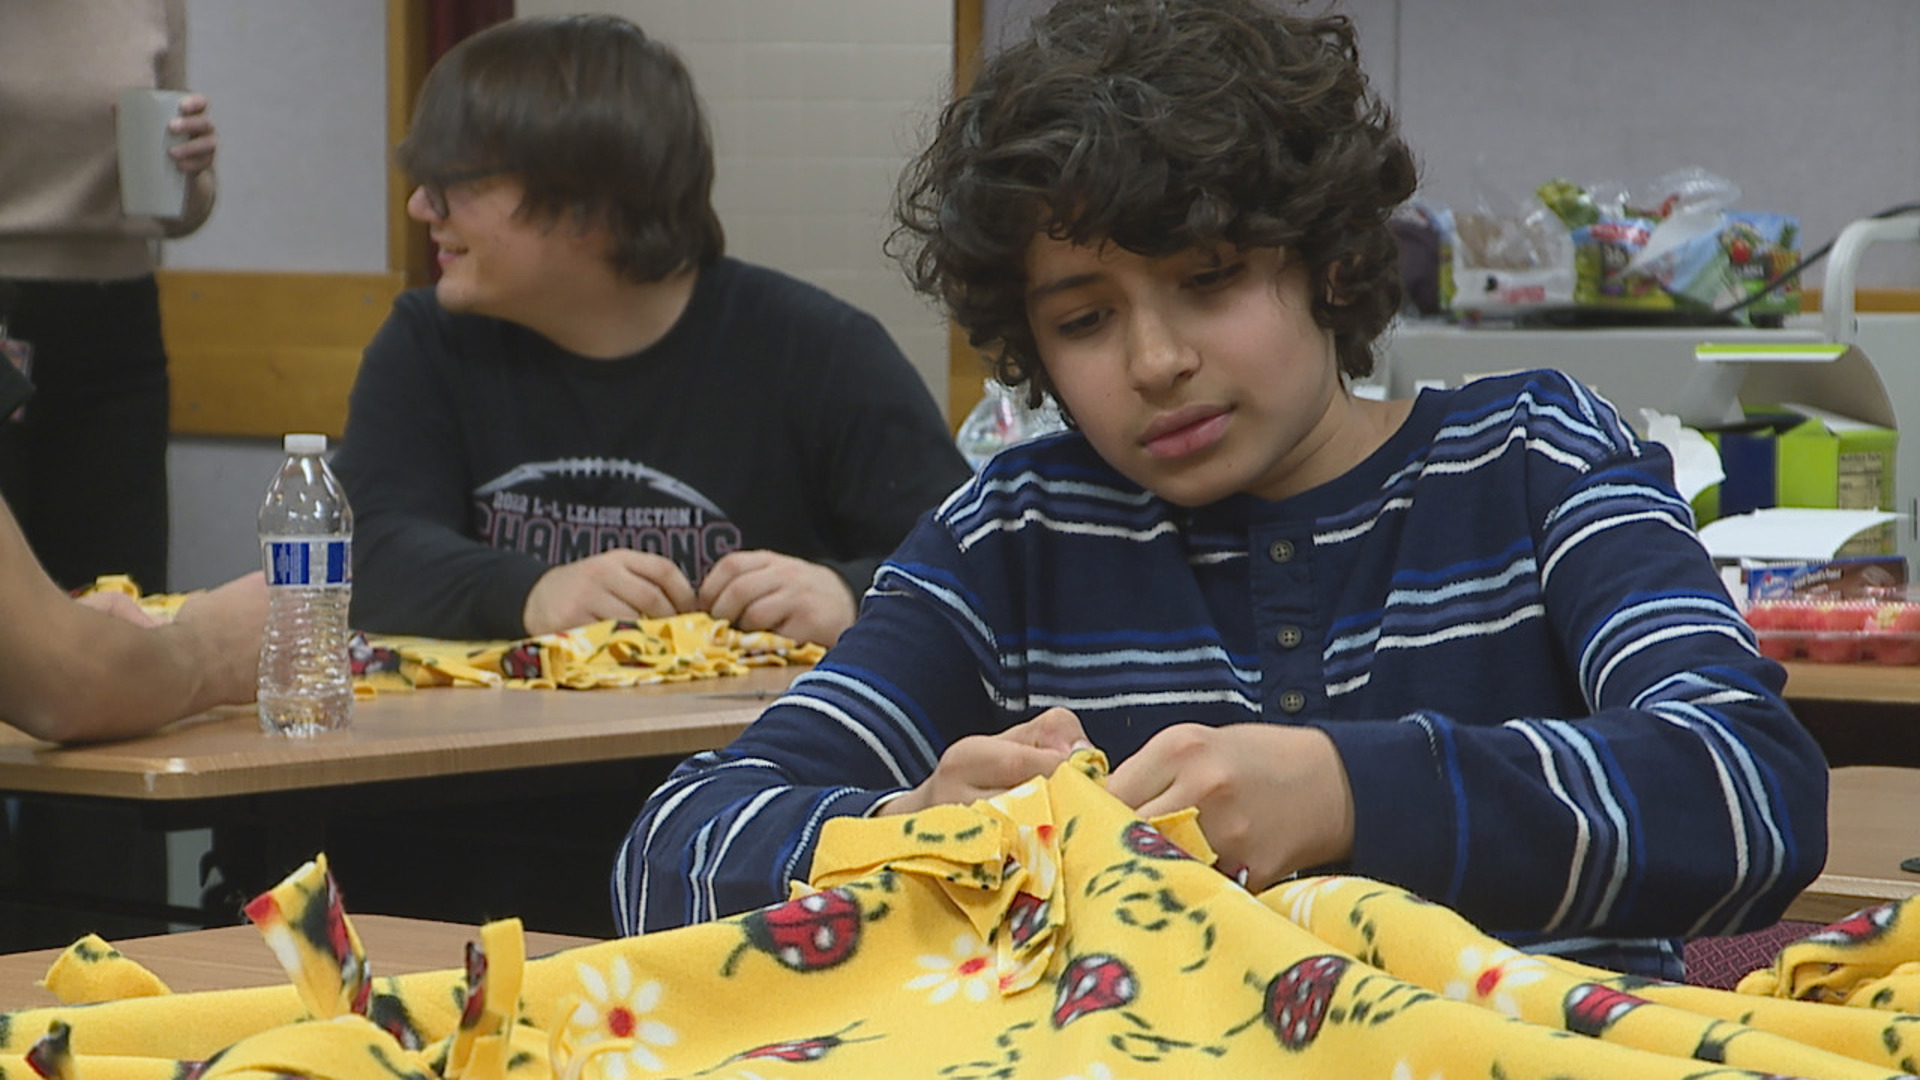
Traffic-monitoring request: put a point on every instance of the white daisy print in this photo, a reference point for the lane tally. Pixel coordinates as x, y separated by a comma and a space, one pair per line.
968, 971
1036, 845
615, 1008
1096, 1071
1299, 897
1493, 976
1005, 800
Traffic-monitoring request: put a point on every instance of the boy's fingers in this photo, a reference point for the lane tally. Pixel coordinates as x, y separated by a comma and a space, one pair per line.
1056, 729
1147, 783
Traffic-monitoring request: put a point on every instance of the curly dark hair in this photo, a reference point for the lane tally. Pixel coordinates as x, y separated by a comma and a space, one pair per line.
595, 118
1160, 125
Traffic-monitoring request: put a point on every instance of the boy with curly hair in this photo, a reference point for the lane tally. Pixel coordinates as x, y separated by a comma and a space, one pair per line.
1468, 644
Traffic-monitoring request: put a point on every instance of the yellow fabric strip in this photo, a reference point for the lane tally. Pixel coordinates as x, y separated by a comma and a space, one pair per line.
611, 653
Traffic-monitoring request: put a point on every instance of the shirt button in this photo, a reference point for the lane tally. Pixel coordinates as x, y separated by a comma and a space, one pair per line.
1281, 551
1292, 701
1290, 637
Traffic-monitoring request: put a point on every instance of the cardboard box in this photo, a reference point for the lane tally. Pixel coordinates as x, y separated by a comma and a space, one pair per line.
1820, 436
1860, 577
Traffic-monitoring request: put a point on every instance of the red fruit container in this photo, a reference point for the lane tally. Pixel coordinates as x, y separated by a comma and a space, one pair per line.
1883, 631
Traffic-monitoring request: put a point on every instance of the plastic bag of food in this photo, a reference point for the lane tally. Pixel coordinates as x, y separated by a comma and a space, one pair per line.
1002, 419
1504, 263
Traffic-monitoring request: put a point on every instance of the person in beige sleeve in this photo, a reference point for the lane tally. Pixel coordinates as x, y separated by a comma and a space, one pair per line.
84, 462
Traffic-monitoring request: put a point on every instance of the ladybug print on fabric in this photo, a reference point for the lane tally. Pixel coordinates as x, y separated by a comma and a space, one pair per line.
366, 658
1026, 917
1860, 927
1298, 998
810, 933
1090, 984
476, 995
522, 661
390, 1015
52, 1054
1591, 1008
322, 924
1147, 845
1143, 839
800, 1050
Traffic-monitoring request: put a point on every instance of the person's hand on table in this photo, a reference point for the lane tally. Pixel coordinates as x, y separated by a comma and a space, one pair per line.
1273, 799
765, 590
119, 605
618, 584
982, 766
225, 625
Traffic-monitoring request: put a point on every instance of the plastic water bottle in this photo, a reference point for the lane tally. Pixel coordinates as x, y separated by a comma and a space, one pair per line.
306, 543
1002, 419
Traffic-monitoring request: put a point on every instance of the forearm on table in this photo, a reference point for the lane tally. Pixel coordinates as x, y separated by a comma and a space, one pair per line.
91, 676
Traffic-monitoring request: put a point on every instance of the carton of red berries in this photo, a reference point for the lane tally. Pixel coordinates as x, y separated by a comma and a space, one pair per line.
1836, 631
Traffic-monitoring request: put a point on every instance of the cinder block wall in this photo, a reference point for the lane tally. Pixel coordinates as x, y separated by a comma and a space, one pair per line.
815, 105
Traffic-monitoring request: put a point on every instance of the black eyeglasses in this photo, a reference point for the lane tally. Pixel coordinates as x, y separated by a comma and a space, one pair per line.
436, 190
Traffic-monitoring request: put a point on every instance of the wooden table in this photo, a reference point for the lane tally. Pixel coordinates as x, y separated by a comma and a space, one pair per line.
1862, 714
236, 957
413, 766
1880, 684
1873, 822
427, 733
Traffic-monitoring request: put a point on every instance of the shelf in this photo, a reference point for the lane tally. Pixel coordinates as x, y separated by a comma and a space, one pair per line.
1859, 683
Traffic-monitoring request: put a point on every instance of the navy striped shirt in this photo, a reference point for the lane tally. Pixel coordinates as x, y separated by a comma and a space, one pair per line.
1552, 717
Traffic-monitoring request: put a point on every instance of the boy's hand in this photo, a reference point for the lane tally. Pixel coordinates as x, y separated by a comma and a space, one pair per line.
765, 590
1273, 799
982, 766
617, 584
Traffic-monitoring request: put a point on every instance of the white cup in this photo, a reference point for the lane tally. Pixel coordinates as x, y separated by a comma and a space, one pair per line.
151, 183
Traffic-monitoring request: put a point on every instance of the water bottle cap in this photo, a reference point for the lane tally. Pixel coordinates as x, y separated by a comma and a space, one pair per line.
305, 444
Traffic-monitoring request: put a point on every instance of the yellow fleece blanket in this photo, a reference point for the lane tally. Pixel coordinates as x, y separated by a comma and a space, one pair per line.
602, 654
609, 653
1047, 933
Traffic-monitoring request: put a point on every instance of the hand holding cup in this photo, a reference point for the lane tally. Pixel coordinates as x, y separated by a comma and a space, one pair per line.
165, 138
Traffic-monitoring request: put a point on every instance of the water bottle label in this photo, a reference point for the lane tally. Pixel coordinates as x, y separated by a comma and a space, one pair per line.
309, 562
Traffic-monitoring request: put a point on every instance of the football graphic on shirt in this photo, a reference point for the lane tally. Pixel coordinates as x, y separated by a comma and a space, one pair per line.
566, 510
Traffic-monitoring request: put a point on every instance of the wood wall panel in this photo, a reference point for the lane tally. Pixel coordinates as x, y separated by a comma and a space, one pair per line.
965, 368
262, 354
1869, 299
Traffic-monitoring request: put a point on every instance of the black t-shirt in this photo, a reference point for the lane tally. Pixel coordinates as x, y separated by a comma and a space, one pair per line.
15, 388
772, 415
